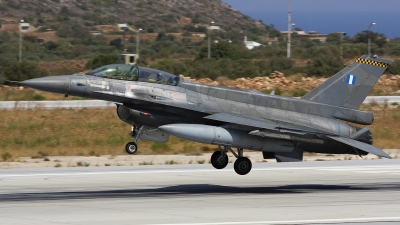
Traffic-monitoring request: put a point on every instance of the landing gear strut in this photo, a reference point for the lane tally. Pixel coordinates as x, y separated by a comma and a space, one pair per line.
131, 147
242, 165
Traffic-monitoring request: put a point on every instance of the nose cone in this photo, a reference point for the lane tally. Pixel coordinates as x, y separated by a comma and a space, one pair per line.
56, 84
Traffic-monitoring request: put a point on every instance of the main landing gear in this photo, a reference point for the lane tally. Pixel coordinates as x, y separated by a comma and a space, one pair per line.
131, 147
219, 160
242, 165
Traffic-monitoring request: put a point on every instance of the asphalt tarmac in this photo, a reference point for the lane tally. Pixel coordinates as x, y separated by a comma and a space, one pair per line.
351, 192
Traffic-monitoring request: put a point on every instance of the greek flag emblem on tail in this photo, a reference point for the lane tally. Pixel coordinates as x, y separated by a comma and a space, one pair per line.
351, 79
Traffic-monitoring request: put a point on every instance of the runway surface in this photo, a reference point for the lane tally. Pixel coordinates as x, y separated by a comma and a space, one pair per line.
351, 192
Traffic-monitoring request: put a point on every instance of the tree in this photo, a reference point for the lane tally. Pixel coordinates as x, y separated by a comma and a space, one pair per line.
102, 60
19, 71
394, 68
171, 66
163, 37
223, 50
116, 43
326, 65
377, 38
72, 30
333, 38
381, 40
281, 63
50, 45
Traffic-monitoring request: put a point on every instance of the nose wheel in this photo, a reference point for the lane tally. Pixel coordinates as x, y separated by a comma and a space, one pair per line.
131, 147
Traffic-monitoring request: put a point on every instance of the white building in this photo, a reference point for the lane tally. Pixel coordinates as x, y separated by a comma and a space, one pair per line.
24, 27
251, 44
123, 27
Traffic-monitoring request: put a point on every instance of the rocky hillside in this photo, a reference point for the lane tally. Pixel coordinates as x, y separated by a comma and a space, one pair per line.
153, 15
296, 85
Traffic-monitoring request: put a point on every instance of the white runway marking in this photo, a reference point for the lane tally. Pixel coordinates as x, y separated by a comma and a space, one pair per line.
344, 220
393, 170
362, 169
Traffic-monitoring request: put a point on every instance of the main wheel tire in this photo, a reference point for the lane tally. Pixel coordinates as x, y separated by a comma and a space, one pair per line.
131, 147
221, 163
242, 166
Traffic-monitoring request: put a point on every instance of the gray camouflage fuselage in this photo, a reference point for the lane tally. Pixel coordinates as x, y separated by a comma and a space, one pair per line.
275, 123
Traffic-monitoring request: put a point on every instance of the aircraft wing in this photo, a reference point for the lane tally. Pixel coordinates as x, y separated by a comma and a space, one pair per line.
263, 124
360, 145
276, 127
241, 120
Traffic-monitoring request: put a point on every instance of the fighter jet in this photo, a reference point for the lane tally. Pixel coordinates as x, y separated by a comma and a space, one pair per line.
158, 104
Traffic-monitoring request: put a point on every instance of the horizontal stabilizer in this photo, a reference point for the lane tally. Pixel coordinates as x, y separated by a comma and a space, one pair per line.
360, 145
359, 133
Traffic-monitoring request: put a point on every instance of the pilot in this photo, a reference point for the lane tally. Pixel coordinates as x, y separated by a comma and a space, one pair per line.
176, 79
159, 78
118, 71
170, 81
132, 73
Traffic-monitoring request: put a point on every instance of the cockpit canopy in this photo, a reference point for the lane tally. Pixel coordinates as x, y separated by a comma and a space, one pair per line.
135, 73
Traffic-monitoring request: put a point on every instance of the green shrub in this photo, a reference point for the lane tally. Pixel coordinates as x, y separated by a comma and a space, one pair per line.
23, 71
299, 93
38, 97
170, 162
6, 156
101, 60
160, 147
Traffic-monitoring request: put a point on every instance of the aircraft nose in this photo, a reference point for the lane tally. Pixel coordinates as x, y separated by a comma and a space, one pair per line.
56, 84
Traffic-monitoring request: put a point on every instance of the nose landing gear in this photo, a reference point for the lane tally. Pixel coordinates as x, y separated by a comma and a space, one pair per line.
131, 147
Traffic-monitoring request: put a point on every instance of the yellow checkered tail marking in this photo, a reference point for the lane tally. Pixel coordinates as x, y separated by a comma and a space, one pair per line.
371, 62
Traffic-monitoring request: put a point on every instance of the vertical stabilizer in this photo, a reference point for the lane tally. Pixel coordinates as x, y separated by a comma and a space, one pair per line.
349, 87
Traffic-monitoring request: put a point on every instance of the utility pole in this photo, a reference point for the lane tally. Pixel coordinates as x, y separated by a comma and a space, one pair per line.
289, 28
369, 37
341, 47
137, 42
341, 34
20, 40
209, 39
